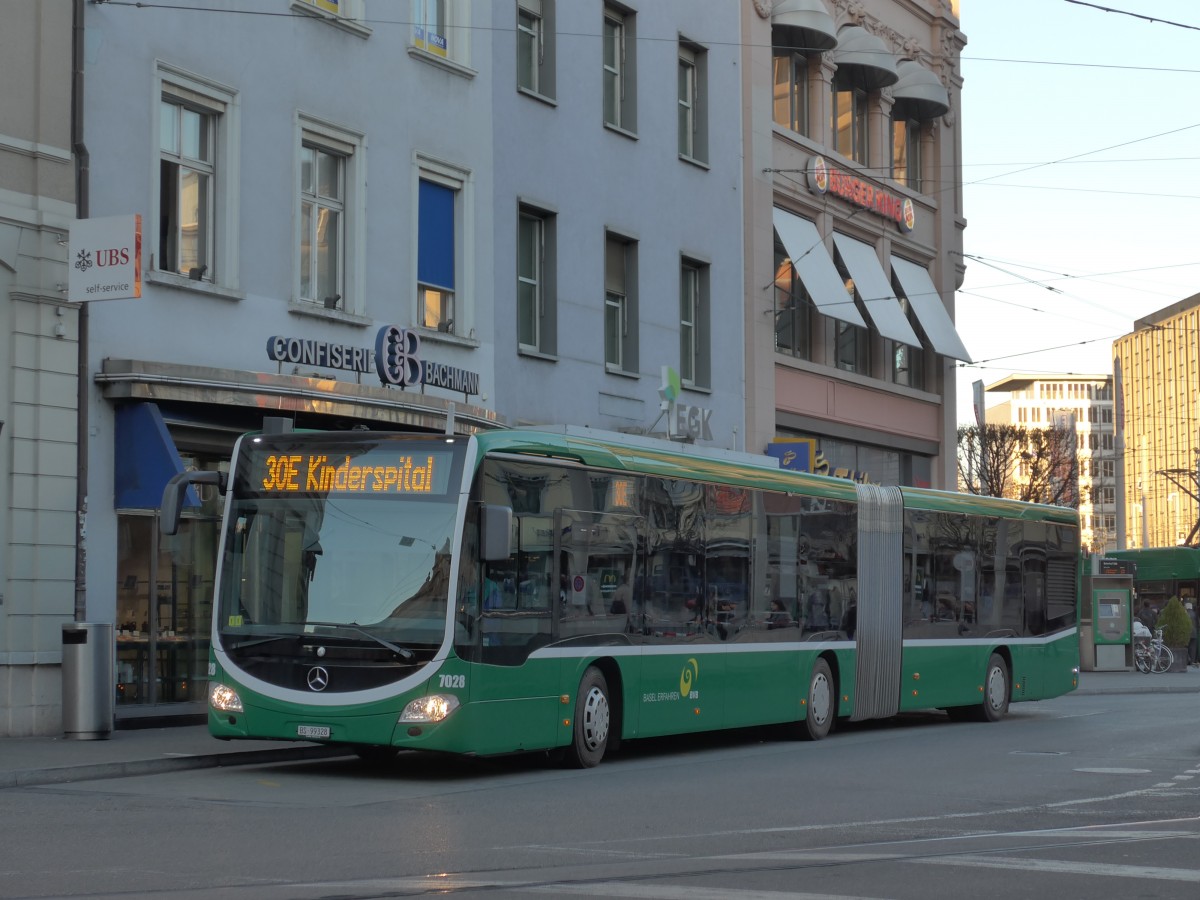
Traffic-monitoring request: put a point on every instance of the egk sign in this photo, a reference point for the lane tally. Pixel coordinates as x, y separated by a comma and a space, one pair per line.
826, 179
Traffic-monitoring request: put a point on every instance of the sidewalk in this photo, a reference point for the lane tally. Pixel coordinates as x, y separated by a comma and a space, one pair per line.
147, 751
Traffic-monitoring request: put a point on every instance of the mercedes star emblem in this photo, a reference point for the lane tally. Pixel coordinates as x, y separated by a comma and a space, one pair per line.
318, 678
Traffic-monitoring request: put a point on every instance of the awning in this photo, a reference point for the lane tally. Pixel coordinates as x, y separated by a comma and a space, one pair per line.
863, 61
145, 458
918, 94
803, 25
923, 297
815, 267
875, 290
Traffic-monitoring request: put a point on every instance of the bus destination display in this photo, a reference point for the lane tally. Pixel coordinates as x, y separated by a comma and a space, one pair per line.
381, 473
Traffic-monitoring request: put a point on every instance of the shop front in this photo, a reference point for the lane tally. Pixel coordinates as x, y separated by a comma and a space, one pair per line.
170, 418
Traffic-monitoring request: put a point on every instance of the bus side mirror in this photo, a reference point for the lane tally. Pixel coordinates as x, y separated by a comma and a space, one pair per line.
495, 523
173, 494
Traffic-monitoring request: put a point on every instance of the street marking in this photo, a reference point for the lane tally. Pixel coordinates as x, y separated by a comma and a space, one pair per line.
1064, 867
682, 892
1115, 771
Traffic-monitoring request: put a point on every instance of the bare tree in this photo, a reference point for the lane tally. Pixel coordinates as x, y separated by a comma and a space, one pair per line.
1032, 464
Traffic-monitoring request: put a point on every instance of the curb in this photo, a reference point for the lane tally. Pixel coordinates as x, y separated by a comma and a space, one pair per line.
125, 769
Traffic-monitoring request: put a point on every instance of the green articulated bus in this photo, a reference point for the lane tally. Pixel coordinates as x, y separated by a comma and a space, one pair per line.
568, 589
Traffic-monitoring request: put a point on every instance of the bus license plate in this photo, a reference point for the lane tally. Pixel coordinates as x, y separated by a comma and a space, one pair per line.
312, 731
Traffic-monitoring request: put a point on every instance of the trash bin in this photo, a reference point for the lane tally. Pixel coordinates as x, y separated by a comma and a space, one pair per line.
87, 680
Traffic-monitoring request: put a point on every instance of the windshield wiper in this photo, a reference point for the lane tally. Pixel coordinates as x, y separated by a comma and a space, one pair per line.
240, 642
402, 652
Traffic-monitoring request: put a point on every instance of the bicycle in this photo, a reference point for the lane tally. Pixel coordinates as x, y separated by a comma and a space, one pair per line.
1153, 655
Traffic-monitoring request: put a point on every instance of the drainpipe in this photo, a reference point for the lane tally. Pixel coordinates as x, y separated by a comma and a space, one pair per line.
82, 171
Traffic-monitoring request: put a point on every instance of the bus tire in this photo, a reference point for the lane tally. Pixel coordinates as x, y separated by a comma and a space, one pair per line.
593, 715
997, 688
821, 705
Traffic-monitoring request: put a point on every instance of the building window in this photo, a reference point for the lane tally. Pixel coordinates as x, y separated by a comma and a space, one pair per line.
620, 304
322, 225
693, 114
429, 27
536, 294
440, 28
187, 138
435, 255
443, 242
694, 356
332, 182
790, 107
908, 362
535, 47
620, 69
851, 347
850, 122
793, 309
906, 152
196, 204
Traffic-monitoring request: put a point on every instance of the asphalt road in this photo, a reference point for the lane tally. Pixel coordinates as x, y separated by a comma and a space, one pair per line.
1086, 796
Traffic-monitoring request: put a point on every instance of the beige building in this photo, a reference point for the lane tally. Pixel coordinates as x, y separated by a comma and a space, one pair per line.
853, 244
1086, 402
38, 361
1157, 369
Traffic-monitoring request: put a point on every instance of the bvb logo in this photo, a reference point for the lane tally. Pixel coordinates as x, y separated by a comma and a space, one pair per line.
691, 671
398, 356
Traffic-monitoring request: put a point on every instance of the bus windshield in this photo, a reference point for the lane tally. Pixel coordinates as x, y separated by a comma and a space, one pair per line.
345, 537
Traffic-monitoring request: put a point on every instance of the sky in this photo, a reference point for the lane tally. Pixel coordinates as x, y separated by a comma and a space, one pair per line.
1081, 147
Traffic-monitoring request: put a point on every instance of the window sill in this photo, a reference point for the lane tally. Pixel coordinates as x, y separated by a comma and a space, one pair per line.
441, 62
695, 388
347, 25
698, 163
445, 337
624, 373
308, 308
183, 283
534, 353
534, 95
617, 129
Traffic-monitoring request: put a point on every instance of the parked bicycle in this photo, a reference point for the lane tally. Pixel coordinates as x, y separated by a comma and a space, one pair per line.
1152, 655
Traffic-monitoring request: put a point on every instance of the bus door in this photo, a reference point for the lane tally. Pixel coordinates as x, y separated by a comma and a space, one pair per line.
597, 566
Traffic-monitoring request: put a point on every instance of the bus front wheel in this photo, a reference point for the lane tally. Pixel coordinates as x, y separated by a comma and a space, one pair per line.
996, 690
821, 703
593, 715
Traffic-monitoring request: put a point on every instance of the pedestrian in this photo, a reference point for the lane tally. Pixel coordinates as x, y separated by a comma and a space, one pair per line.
1147, 616
1194, 643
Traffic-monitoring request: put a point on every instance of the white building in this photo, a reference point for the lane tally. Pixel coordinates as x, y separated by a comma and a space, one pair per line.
507, 183
547, 208
1043, 402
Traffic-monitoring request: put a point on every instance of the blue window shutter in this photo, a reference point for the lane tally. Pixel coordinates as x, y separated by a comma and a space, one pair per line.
435, 246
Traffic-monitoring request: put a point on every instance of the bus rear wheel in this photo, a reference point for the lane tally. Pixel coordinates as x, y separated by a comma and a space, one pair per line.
821, 703
593, 716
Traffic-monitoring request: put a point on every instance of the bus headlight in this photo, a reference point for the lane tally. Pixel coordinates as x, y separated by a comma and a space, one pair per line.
224, 698
433, 708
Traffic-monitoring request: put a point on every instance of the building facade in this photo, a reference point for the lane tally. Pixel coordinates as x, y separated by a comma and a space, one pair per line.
38, 361
854, 227
1157, 372
1084, 403
732, 224
538, 203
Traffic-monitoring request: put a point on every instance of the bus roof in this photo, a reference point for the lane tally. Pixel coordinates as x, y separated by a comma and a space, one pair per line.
668, 459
